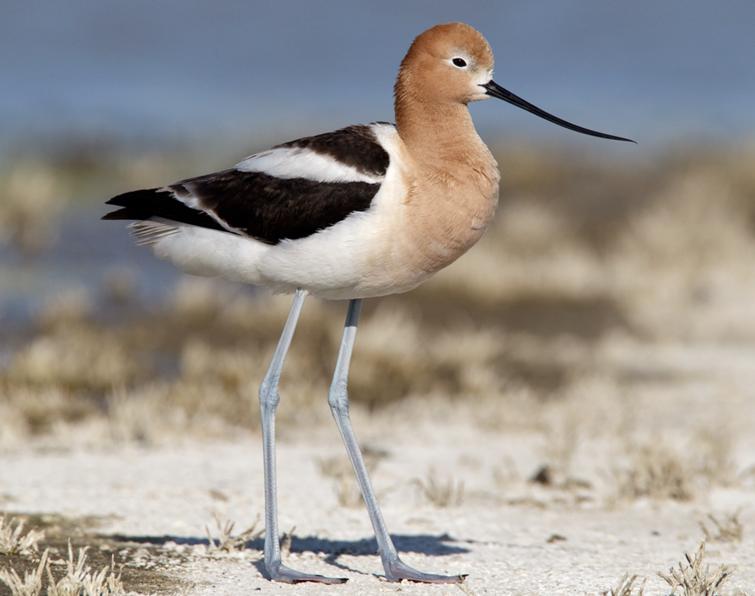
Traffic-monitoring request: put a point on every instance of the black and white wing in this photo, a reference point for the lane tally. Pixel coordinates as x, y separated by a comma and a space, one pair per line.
290, 191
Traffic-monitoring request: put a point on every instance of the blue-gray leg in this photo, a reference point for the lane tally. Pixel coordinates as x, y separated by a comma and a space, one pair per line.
395, 568
269, 399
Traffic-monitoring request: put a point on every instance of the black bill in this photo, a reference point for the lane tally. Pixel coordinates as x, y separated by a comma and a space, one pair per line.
495, 90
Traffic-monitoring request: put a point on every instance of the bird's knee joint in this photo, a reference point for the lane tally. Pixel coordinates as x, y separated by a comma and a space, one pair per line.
269, 395
338, 398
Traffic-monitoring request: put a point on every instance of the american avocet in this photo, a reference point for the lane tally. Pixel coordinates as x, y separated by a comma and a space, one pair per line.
363, 211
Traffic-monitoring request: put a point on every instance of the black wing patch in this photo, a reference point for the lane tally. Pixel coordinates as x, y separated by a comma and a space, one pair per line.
265, 207
354, 146
271, 209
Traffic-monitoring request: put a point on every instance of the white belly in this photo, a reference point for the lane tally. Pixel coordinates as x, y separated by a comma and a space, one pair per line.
360, 257
355, 258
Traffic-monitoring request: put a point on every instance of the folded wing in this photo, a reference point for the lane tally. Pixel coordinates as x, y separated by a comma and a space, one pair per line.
291, 191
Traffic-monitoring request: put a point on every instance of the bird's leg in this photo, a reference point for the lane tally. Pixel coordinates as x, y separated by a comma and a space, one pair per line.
395, 568
269, 399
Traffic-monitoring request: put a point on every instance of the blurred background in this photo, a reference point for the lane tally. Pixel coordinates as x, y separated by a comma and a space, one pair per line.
612, 270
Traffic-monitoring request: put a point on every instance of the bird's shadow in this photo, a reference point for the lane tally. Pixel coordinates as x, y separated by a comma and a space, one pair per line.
434, 545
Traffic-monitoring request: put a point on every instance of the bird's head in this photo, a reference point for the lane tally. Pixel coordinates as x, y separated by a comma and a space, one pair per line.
453, 63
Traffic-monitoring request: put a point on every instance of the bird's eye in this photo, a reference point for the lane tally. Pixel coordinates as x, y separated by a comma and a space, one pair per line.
460, 62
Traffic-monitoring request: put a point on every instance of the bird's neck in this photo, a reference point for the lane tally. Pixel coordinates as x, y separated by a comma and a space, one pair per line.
438, 133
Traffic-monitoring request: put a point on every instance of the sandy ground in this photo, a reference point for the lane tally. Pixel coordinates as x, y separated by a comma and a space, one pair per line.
511, 536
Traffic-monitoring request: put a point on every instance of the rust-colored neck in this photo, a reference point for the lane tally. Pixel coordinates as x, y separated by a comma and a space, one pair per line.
435, 132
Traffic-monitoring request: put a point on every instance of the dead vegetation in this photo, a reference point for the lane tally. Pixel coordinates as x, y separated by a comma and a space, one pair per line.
79, 579
13, 539
661, 470
440, 492
628, 585
30, 206
67, 559
724, 528
692, 578
338, 468
656, 472
223, 540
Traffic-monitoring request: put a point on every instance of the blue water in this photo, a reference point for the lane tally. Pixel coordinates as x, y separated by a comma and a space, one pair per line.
85, 253
184, 69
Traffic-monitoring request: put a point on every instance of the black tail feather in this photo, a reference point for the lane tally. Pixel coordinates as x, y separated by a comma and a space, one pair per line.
128, 199
158, 203
124, 213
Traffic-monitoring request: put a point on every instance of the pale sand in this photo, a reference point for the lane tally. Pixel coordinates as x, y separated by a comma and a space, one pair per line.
503, 546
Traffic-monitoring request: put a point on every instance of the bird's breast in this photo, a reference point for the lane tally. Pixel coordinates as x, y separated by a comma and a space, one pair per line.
447, 217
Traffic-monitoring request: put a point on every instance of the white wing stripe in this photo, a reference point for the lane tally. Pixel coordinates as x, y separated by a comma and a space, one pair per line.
299, 162
190, 200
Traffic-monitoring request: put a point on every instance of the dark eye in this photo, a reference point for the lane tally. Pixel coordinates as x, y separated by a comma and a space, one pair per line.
460, 62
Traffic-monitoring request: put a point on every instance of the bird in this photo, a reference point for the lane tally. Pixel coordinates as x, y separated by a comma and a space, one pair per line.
361, 212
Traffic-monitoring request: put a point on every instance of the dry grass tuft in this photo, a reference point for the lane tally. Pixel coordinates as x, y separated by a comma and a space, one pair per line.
691, 578
726, 528
561, 444
655, 472
441, 492
628, 585
30, 207
77, 358
286, 540
715, 448
13, 540
226, 542
79, 579
30, 584
339, 469
76, 562
347, 491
